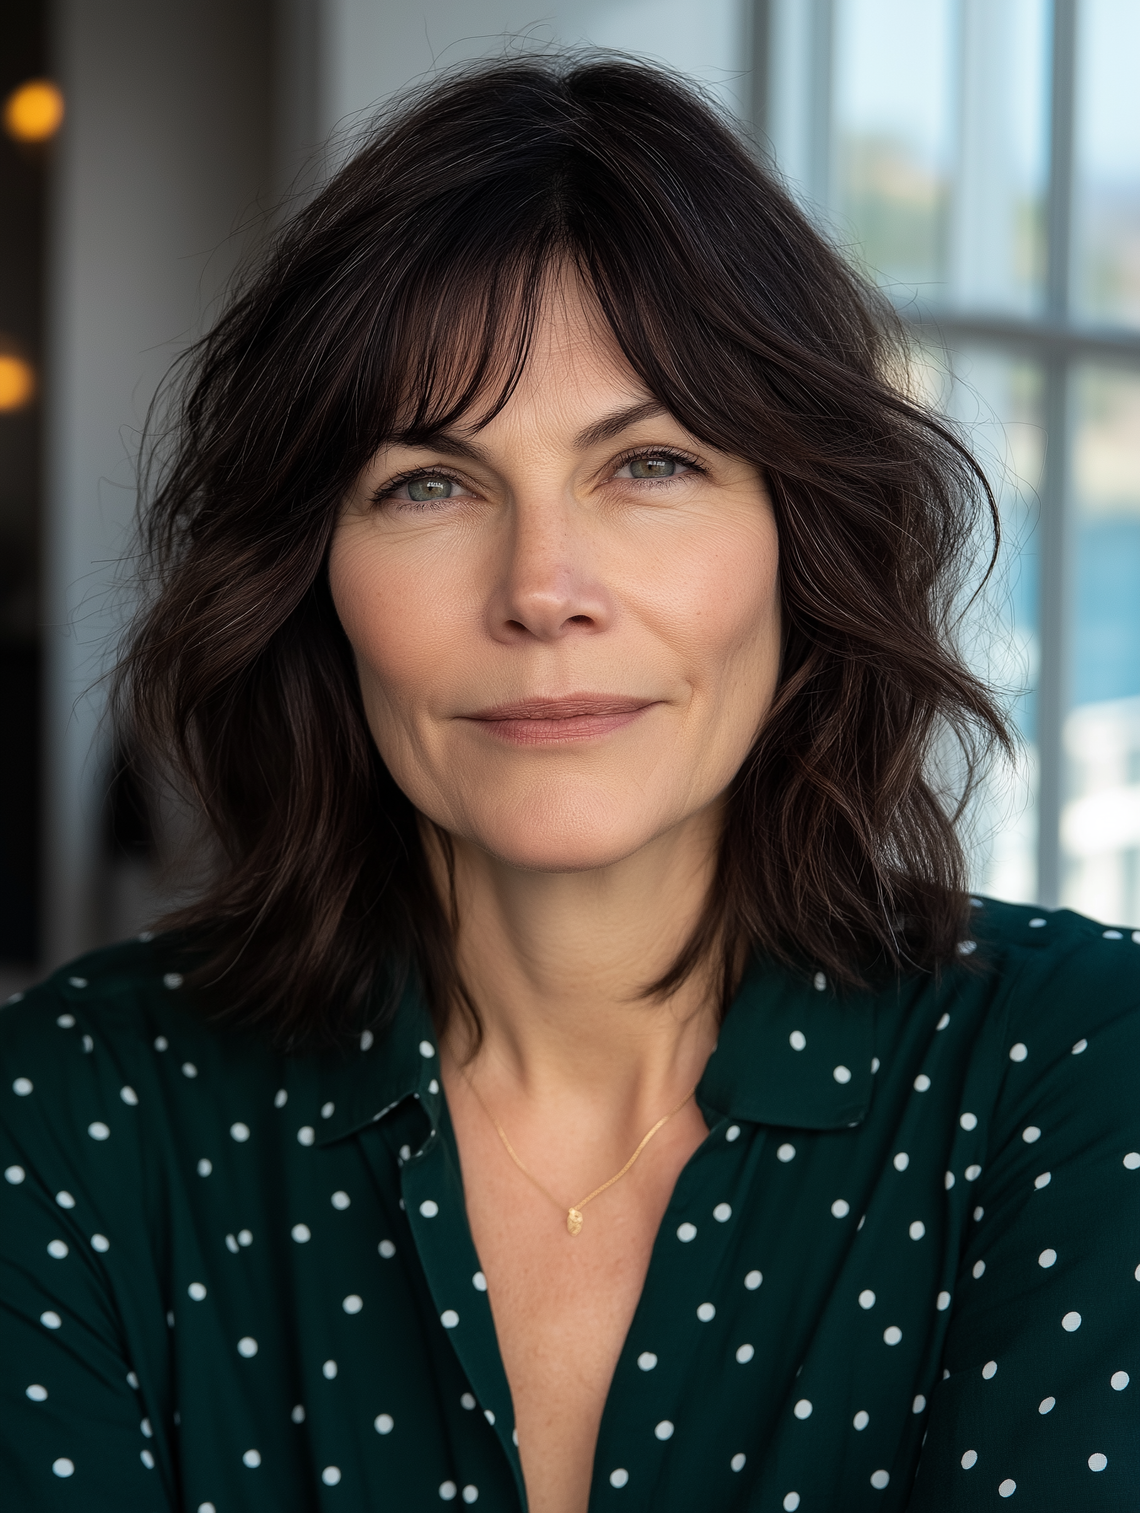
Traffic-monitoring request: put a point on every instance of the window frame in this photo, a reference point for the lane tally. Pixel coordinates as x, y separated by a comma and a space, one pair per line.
1055, 339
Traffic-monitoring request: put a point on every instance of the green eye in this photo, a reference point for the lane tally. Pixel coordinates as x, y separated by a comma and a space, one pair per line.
653, 467
423, 490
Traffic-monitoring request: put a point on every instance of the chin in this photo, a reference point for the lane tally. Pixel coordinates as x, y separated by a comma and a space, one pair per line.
564, 832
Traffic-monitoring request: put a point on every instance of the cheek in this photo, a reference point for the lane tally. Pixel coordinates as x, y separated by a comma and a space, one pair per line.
399, 615
726, 609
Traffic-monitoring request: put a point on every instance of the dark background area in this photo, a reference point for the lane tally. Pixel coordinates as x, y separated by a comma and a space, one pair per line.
23, 193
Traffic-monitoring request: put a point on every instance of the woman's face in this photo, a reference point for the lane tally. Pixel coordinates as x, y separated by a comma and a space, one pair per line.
566, 623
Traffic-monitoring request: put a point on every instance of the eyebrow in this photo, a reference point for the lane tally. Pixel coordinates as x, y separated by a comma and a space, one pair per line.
613, 425
601, 430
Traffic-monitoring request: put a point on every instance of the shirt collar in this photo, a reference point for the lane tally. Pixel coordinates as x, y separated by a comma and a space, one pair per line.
791, 1053
379, 1069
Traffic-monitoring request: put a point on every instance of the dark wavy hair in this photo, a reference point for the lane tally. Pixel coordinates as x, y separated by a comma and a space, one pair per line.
405, 295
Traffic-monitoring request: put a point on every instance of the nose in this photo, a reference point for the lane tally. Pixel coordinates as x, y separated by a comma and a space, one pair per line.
550, 584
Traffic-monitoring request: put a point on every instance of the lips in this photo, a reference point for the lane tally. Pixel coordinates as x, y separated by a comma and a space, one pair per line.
576, 717
575, 706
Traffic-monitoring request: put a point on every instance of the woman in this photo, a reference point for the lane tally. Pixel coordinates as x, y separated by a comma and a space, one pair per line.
585, 1081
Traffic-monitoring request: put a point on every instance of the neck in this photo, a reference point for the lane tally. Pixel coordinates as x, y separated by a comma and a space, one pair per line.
558, 964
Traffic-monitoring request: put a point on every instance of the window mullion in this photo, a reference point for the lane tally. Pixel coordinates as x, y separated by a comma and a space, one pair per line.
1054, 628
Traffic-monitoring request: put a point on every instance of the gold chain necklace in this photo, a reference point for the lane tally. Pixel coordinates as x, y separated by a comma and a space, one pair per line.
574, 1214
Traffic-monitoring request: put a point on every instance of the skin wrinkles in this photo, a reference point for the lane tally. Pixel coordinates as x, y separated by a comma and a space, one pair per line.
583, 859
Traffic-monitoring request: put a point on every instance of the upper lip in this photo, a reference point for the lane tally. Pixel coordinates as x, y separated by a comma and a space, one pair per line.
570, 707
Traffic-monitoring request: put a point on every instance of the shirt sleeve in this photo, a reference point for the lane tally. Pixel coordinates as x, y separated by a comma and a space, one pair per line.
1038, 1397
74, 1424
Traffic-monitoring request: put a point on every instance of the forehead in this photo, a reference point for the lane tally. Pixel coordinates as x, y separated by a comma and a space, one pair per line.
574, 366
484, 360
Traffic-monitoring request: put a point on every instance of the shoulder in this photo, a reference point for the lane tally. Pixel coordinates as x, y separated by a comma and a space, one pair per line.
114, 1000
112, 1054
1062, 976
1062, 1044
113, 993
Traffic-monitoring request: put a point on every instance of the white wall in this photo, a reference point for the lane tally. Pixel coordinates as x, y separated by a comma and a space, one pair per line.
374, 47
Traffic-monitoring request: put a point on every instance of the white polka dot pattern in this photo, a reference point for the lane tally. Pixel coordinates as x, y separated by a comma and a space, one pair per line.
881, 1237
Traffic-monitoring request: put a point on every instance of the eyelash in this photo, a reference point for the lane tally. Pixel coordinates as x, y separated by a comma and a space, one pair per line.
387, 490
673, 453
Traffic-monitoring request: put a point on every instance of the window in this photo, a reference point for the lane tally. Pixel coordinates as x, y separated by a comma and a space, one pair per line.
981, 159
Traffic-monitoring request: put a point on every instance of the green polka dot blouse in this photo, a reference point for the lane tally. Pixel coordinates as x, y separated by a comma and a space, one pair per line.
902, 1272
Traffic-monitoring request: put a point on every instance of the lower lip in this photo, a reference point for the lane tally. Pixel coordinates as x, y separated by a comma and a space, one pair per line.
561, 732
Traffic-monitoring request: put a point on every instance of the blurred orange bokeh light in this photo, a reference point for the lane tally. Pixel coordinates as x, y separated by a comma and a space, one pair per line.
34, 111
17, 382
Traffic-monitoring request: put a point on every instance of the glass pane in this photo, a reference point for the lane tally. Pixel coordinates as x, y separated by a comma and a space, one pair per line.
893, 136
940, 160
705, 41
997, 231
1106, 284
997, 398
1100, 823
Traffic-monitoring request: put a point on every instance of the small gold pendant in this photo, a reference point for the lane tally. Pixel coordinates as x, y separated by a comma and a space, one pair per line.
574, 1220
